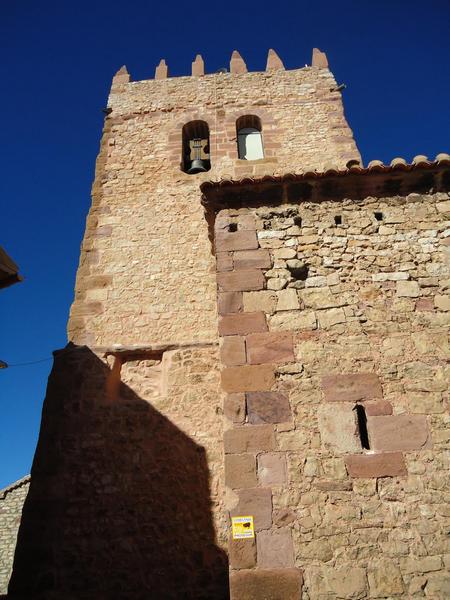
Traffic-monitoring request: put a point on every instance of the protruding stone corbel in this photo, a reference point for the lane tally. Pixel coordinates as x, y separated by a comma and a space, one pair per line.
237, 64
319, 59
198, 66
161, 71
122, 76
274, 62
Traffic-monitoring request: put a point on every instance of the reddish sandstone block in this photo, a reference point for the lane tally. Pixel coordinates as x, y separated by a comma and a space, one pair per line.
242, 553
266, 584
268, 407
256, 502
224, 261
252, 259
252, 438
240, 470
229, 302
351, 388
242, 323
241, 281
275, 548
232, 350
378, 407
387, 464
236, 240
240, 222
398, 432
271, 347
237, 64
248, 378
234, 407
424, 304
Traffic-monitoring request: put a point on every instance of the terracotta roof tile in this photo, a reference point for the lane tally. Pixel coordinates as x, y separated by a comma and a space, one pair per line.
374, 166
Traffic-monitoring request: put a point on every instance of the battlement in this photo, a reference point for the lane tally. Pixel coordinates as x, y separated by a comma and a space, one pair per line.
237, 66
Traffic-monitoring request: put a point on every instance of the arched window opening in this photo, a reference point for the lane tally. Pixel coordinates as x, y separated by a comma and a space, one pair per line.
249, 137
196, 157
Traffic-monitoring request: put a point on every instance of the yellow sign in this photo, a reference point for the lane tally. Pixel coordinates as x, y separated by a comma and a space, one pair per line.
242, 527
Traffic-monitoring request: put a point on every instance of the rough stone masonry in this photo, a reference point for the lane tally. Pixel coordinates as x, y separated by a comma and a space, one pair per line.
268, 338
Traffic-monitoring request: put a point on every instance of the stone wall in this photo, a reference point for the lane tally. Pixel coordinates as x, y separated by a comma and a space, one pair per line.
334, 345
146, 272
126, 497
11, 503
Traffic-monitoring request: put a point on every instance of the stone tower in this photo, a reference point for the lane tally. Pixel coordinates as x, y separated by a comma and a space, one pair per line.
258, 330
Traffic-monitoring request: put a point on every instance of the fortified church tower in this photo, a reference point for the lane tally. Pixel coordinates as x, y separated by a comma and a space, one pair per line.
258, 330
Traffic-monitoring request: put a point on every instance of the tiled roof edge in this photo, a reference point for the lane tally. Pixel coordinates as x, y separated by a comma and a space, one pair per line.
15, 485
375, 166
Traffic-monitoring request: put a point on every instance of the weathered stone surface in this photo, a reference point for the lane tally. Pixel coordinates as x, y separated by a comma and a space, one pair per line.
242, 323
344, 583
387, 464
287, 300
292, 320
384, 579
319, 298
234, 407
425, 403
375, 408
338, 427
409, 289
272, 468
251, 438
423, 564
229, 302
242, 553
442, 302
240, 470
398, 432
256, 502
268, 407
248, 378
224, 261
252, 259
238, 240
241, 281
263, 300
334, 486
332, 316
232, 350
275, 549
351, 387
271, 347
267, 584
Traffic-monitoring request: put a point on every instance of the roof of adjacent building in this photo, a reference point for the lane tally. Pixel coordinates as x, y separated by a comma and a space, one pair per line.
9, 271
13, 486
418, 163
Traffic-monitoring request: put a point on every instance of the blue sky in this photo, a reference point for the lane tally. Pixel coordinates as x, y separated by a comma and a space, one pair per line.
57, 61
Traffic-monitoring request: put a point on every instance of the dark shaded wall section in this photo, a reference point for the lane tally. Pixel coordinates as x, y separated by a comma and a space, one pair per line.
119, 505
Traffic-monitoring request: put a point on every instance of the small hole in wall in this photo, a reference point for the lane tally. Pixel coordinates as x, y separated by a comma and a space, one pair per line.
378, 216
337, 219
298, 221
232, 227
298, 271
362, 426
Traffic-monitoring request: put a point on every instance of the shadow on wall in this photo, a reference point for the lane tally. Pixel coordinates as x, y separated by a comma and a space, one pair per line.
119, 503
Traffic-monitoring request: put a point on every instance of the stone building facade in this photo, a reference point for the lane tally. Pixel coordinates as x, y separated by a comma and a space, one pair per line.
11, 502
266, 338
